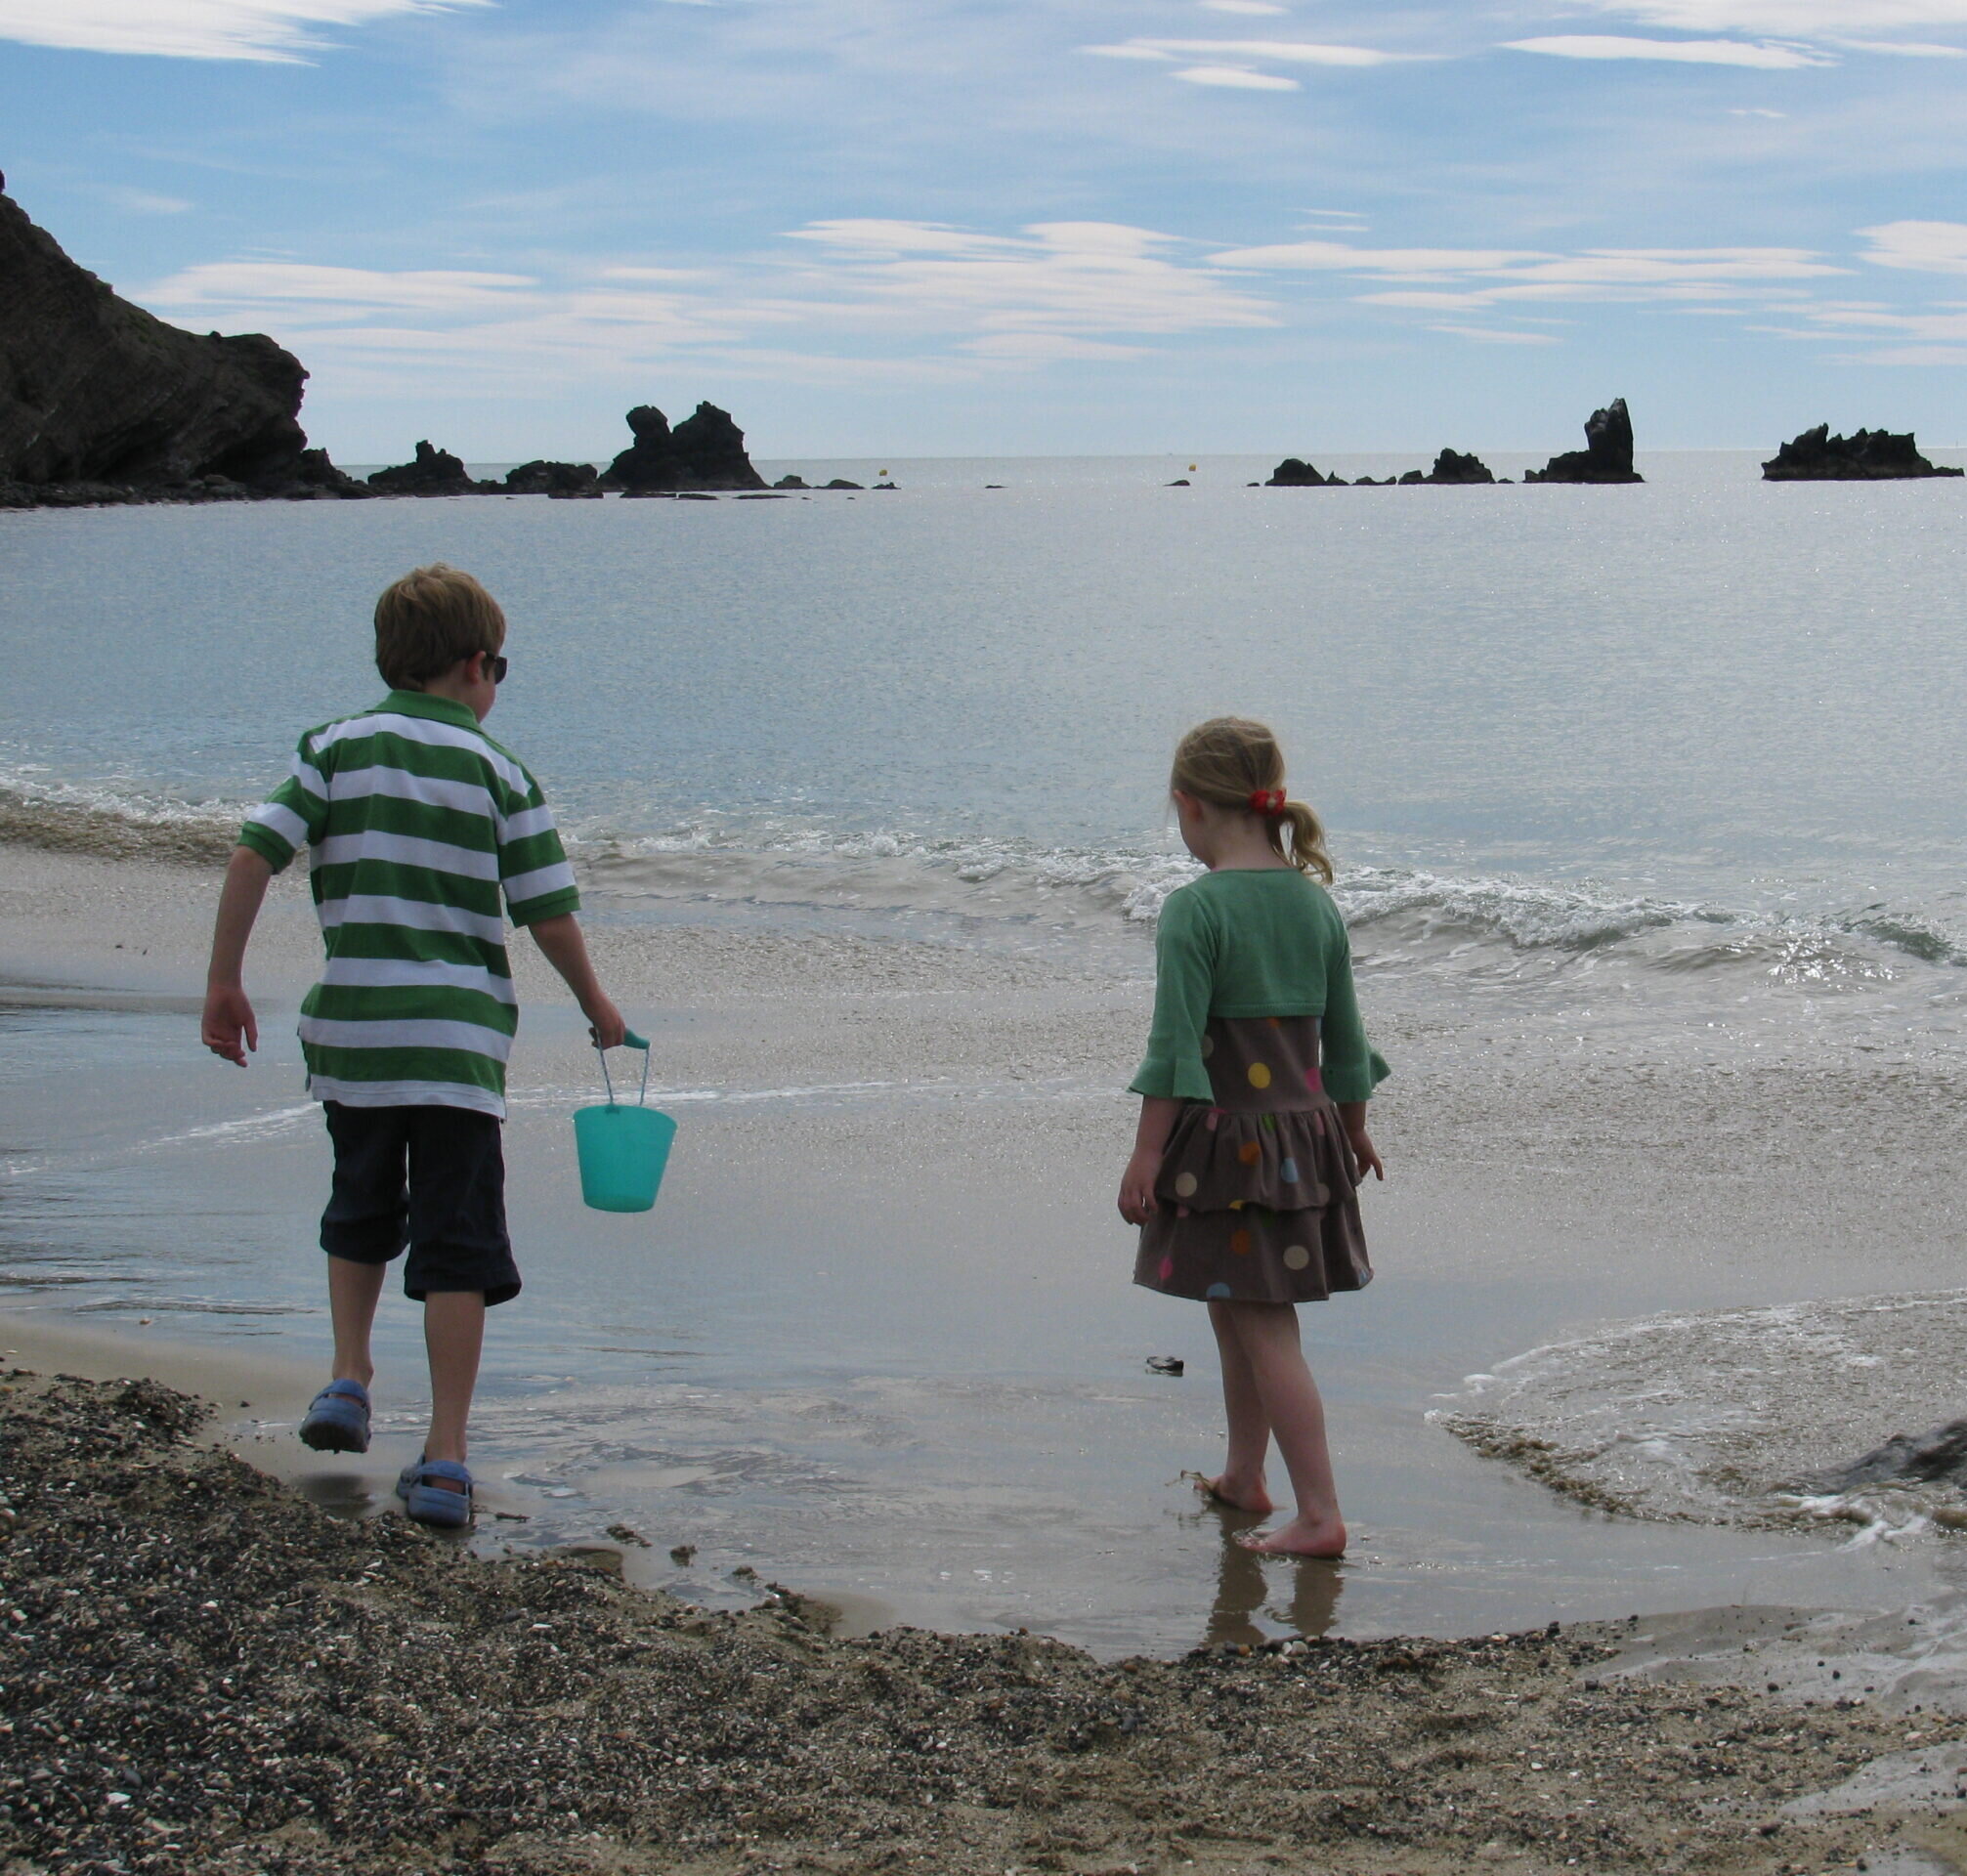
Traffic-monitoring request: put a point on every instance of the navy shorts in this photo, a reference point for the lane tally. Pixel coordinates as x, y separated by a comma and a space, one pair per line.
427, 1179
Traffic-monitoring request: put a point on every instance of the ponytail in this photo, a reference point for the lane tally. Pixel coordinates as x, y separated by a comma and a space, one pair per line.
1231, 762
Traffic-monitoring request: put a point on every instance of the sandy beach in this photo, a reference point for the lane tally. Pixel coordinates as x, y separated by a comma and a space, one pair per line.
207, 1673
353, 1692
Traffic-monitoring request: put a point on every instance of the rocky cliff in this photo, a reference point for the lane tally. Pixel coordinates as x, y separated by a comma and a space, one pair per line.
1607, 454
706, 450
1865, 456
101, 401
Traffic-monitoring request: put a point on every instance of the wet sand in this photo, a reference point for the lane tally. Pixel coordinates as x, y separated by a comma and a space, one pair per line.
1539, 1188
204, 1672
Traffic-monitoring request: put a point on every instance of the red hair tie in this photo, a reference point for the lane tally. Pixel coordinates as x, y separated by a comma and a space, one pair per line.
1269, 802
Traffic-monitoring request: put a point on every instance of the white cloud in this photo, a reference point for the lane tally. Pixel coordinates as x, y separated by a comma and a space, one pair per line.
1900, 48
1237, 79
929, 299
1044, 348
1249, 7
1691, 52
267, 284
1488, 335
1797, 19
1271, 52
1449, 279
140, 201
1752, 110
277, 31
1918, 247
1390, 263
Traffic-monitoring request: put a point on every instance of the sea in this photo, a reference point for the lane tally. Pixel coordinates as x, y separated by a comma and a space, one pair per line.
1673, 770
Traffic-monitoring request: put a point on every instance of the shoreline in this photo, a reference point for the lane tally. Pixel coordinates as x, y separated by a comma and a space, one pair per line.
206, 1672
1525, 1205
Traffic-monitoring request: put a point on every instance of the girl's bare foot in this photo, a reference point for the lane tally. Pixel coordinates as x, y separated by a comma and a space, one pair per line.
1301, 1537
1239, 1494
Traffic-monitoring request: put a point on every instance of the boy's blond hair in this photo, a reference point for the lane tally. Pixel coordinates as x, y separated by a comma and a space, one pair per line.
430, 619
1228, 759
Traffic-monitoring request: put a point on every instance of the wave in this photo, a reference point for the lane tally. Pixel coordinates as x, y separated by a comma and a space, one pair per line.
112, 823
1404, 916
1779, 1417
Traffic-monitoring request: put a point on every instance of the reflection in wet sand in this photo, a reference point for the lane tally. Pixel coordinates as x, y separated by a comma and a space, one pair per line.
1243, 1590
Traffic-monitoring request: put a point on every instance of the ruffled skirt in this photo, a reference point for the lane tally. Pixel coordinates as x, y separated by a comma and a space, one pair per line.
1256, 1201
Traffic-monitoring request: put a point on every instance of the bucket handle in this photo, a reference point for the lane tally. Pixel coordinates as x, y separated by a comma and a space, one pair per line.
629, 1040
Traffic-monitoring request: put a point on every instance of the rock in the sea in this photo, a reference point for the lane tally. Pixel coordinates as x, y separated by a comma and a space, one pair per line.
706, 450
790, 482
101, 401
840, 482
540, 478
1865, 456
1294, 472
1453, 468
1941, 1454
1607, 454
431, 472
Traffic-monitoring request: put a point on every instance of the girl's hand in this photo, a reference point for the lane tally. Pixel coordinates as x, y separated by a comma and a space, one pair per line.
1136, 1187
1365, 1152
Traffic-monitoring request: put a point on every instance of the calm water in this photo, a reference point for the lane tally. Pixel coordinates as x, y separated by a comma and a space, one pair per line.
1701, 713
1666, 760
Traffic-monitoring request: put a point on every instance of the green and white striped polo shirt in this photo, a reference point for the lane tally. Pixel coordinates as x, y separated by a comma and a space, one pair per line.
418, 820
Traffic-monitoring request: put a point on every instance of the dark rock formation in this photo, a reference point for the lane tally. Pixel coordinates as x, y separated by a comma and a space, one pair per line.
790, 482
1866, 455
1179, 481
1294, 472
706, 450
840, 482
1411, 477
431, 472
1607, 454
1453, 468
102, 402
541, 478
1941, 1454
886, 484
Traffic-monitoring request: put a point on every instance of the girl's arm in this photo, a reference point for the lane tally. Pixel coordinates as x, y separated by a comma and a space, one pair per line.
1150, 1138
1352, 1118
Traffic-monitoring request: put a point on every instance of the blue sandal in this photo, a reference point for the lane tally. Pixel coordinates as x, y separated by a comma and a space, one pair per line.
434, 1504
337, 1419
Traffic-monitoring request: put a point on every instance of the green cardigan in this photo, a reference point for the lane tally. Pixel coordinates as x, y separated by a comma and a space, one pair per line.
1254, 942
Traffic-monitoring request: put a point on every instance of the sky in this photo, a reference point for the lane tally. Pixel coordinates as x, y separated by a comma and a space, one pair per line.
876, 227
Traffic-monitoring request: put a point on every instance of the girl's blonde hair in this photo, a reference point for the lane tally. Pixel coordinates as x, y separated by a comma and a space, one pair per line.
1228, 760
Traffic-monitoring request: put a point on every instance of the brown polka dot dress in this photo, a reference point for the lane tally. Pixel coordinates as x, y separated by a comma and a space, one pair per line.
1257, 1033
1255, 1199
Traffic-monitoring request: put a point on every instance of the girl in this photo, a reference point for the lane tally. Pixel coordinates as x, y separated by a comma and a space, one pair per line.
1253, 1118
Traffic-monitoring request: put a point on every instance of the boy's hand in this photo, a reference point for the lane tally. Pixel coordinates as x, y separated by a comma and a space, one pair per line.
1136, 1187
229, 1016
604, 1023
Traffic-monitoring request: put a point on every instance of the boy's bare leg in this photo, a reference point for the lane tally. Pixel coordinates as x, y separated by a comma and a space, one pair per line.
1269, 1333
1241, 1480
354, 1290
453, 1334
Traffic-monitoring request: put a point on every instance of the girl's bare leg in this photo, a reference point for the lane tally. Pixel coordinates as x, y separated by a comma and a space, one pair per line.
1241, 1480
1283, 1384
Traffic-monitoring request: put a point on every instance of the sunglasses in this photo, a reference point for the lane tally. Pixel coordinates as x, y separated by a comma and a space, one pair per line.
497, 666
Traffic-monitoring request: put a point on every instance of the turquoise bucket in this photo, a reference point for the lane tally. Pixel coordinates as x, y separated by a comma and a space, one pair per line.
622, 1149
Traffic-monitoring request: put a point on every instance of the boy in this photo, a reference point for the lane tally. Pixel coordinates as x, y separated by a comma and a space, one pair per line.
417, 820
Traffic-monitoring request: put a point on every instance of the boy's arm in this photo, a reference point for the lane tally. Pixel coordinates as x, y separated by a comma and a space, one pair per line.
566, 950
228, 1014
